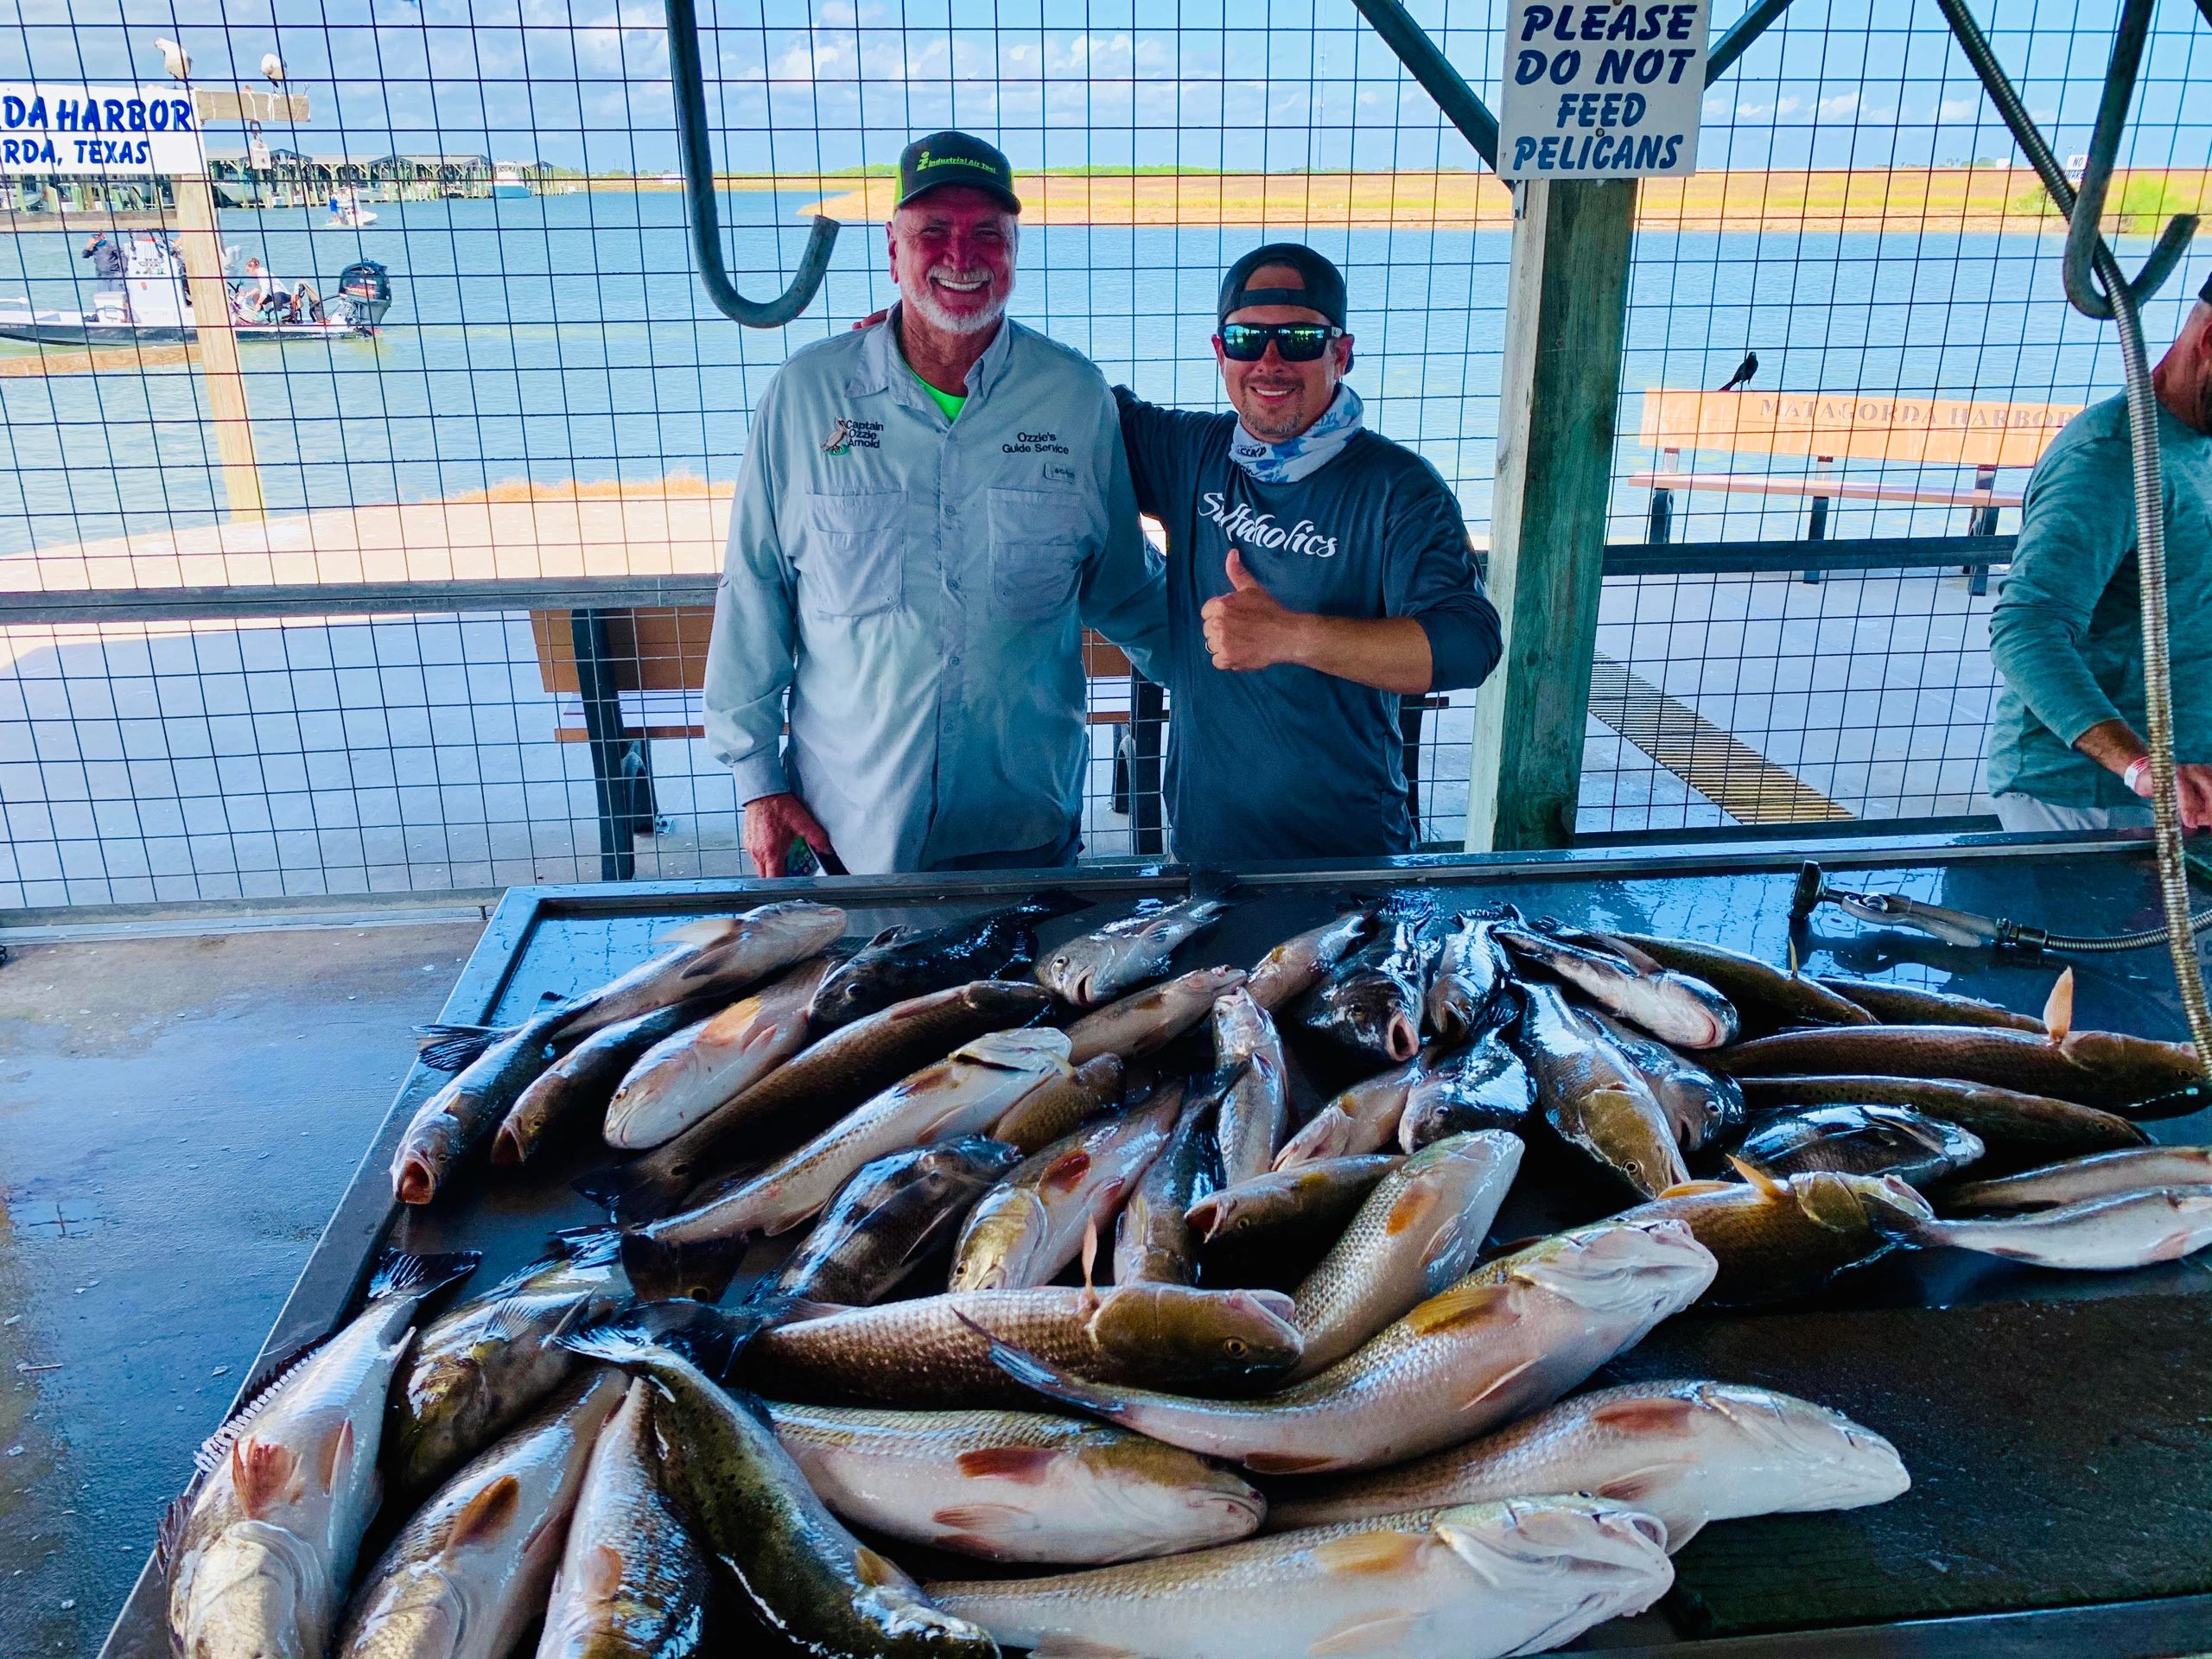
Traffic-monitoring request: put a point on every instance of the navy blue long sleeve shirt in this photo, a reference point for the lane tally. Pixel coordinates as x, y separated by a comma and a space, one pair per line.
1286, 762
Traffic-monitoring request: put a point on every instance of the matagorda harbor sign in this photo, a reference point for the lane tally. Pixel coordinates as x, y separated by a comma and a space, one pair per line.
1598, 91
95, 131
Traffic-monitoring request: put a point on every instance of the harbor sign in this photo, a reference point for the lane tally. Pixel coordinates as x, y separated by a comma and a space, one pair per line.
1592, 90
78, 131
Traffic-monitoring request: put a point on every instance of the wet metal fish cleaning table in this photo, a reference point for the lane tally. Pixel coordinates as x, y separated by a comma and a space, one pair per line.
2058, 1427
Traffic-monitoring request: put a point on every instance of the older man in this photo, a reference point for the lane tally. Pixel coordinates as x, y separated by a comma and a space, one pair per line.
2068, 751
929, 510
1318, 573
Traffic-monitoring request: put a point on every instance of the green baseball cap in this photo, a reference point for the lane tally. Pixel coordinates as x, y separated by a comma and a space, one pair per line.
955, 158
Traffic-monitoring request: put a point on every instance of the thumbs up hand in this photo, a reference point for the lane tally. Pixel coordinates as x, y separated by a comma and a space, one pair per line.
1248, 628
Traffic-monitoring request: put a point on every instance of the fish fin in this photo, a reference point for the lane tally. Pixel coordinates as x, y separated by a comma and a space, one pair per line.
602, 1571
1362, 1633
1032, 1372
1638, 1484
1287, 1463
2058, 1007
335, 1455
1663, 1414
1065, 1172
399, 1274
1089, 1265
1794, 970
1411, 1207
1364, 1553
215, 1451
588, 1247
263, 1473
1503, 1380
1457, 1306
1691, 1189
1681, 1529
1027, 1464
709, 1339
169, 1536
982, 1520
1768, 1186
876, 1571
660, 1271
486, 1515
708, 930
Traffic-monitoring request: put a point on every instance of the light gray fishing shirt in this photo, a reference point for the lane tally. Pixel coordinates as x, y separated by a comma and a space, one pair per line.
919, 587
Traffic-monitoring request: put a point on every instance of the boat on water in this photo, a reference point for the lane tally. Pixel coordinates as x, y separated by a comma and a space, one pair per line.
347, 214
154, 306
507, 184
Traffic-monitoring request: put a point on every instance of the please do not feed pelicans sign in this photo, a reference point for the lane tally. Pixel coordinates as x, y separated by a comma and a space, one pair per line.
1596, 90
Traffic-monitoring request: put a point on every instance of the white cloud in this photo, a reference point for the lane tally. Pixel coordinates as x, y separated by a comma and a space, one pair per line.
1835, 108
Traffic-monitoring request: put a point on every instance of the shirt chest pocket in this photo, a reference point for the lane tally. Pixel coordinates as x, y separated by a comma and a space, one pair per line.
1036, 551
852, 559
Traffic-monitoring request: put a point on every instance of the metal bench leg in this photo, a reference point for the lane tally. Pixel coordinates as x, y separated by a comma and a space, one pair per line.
1662, 522
1147, 723
1410, 710
1983, 523
614, 785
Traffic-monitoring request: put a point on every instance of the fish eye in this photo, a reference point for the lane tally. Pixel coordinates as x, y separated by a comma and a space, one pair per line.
1236, 1347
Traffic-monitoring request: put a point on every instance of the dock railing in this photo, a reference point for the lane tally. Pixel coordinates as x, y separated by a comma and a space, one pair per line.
180, 742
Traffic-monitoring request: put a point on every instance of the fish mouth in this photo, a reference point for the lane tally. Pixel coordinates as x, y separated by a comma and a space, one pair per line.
506, 1147
1401, 1037
417, 1182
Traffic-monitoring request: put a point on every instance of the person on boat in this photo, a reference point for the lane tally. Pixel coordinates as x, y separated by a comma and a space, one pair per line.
930, 511
2066, 750
1318, 573
107, 257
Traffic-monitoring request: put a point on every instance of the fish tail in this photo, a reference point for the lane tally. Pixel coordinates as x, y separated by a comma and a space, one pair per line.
1217, 884
456, 1047
661, 1269
397, 1273
639, 1191
1055, 901
708, 1339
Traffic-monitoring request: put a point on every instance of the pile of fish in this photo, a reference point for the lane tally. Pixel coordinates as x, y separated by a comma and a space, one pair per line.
1173, 1296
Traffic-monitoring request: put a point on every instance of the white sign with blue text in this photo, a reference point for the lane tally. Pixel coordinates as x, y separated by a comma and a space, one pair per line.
1593, 90
79, 131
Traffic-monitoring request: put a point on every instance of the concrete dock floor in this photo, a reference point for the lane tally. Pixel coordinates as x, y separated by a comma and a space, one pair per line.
178, 1117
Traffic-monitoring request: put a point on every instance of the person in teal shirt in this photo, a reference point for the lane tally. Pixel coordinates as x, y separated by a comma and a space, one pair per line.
2067, 751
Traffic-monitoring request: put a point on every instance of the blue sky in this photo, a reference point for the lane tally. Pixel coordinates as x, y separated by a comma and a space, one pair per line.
1289, 83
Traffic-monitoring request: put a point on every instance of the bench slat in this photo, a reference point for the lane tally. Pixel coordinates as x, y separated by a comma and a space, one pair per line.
1833, 489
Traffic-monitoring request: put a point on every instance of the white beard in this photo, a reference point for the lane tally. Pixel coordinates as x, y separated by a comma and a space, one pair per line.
924, 299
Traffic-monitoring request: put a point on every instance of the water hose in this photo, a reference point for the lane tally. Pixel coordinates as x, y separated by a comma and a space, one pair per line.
2123, 298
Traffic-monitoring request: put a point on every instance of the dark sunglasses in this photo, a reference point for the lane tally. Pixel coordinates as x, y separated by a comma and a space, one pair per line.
1297, 342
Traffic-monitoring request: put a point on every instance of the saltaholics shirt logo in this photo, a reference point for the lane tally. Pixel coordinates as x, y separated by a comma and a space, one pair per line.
1253, 529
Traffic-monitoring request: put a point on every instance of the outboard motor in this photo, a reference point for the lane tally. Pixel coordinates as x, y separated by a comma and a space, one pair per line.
365, 291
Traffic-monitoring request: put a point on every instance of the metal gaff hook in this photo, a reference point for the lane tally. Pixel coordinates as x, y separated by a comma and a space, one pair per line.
2082, 218
694, 140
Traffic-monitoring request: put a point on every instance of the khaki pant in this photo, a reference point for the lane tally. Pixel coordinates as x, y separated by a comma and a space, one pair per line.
2022, 814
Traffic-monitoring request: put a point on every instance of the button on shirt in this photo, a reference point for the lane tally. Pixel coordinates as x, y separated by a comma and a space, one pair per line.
920, 585
1287, 762
2067, 630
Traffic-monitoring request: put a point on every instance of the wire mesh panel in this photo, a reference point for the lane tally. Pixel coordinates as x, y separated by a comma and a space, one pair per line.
551, 397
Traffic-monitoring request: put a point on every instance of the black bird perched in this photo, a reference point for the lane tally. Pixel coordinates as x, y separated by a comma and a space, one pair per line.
1744, 370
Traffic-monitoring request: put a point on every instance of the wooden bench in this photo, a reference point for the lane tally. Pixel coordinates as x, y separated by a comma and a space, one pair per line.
620, 678
1828, 427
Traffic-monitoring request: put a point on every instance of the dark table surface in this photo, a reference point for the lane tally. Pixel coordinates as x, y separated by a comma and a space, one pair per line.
2058, 1427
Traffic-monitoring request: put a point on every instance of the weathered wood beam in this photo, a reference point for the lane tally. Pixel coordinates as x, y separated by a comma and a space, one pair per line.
1566, 312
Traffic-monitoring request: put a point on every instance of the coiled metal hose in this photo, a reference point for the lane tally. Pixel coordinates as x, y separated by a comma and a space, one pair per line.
2150, 533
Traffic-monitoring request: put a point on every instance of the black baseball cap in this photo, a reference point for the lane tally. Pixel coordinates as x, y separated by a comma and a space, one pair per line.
955, 158
1324, 289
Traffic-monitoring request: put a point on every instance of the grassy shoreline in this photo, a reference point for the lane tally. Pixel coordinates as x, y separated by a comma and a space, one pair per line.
1837, 199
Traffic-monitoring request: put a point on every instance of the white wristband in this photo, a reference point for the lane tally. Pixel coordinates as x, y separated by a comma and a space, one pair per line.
2138, 770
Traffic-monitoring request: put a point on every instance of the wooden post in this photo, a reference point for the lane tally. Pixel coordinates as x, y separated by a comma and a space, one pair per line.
1566, 312
200, 237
